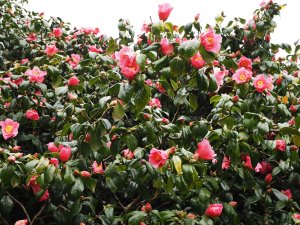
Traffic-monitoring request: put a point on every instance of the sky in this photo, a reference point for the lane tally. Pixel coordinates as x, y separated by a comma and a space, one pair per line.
106, 13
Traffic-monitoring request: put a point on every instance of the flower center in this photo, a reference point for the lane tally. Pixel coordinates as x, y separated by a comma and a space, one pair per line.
260, 83
210, 40
9, 129
242, 77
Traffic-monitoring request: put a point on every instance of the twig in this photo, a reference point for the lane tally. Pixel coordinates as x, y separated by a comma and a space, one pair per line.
128, 207
119, 202
22, 206
3, 220
38, 214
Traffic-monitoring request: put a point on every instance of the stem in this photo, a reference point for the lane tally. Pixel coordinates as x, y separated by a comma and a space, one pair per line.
22, 206
38, 214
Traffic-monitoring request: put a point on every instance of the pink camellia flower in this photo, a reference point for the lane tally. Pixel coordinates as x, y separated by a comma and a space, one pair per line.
145, 27
127, 62
74, 60
280, 145
197, 61
57, 32
166, 47
37, 188
245, 62
36, 75
214, 210
9, 128
268, 178
21, 222
242, 75
54, 161
97, 168
128, 154
93, 48
164, 11
31, 37
158, 158
265, 168
260, 83
32, 114
85, 174
155, 103
52, 147
248, 163
23, 61
73, 81
65, 153
296, 216
211, 41
258, 167
51, 50
219, 75
204, 151
226, 163
287, 193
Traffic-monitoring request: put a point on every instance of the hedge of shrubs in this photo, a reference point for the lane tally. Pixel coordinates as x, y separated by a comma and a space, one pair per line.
187, 124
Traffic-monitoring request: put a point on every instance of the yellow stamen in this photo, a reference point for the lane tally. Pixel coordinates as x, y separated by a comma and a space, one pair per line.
9, 129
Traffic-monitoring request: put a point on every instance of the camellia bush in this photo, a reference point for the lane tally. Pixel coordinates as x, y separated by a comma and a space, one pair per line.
187, 124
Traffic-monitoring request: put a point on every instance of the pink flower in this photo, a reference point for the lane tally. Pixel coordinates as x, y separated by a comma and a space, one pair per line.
258, 167
158, 158
51, 50
242, 75
245, 62
52, 147
214, 210
280, 145
57, 32
21, 222
260, 83
204, 151
75, 59
65, 153
197, 61
37, 188
23, 61
155, 103
219, 75
226, 163
97, 168
31, 37
211, 41
128, 154
287, 193
296, 216
265, 168
145, 27
268, 178
73, 81
164, 11
54, 161
93, 48
9, 128
32, 114
36, 75
166, 47
127, 62
85, 174
248, 163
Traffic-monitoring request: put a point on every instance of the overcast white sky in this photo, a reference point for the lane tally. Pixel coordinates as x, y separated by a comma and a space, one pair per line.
106, 13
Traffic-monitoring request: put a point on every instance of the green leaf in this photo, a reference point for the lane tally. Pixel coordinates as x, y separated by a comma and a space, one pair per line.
207, 56
177, 66
49, 174
90, 183
77, 188
251, 200
296, 140
141, 99
118, 112
263, 126
161, 63
189, 48
213, 86
141, 60
206, 221
131, 141
61, 90
203, 82
193, 101
289, 130
6, 204
281, 197
137, 217
215, 99
177, 164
